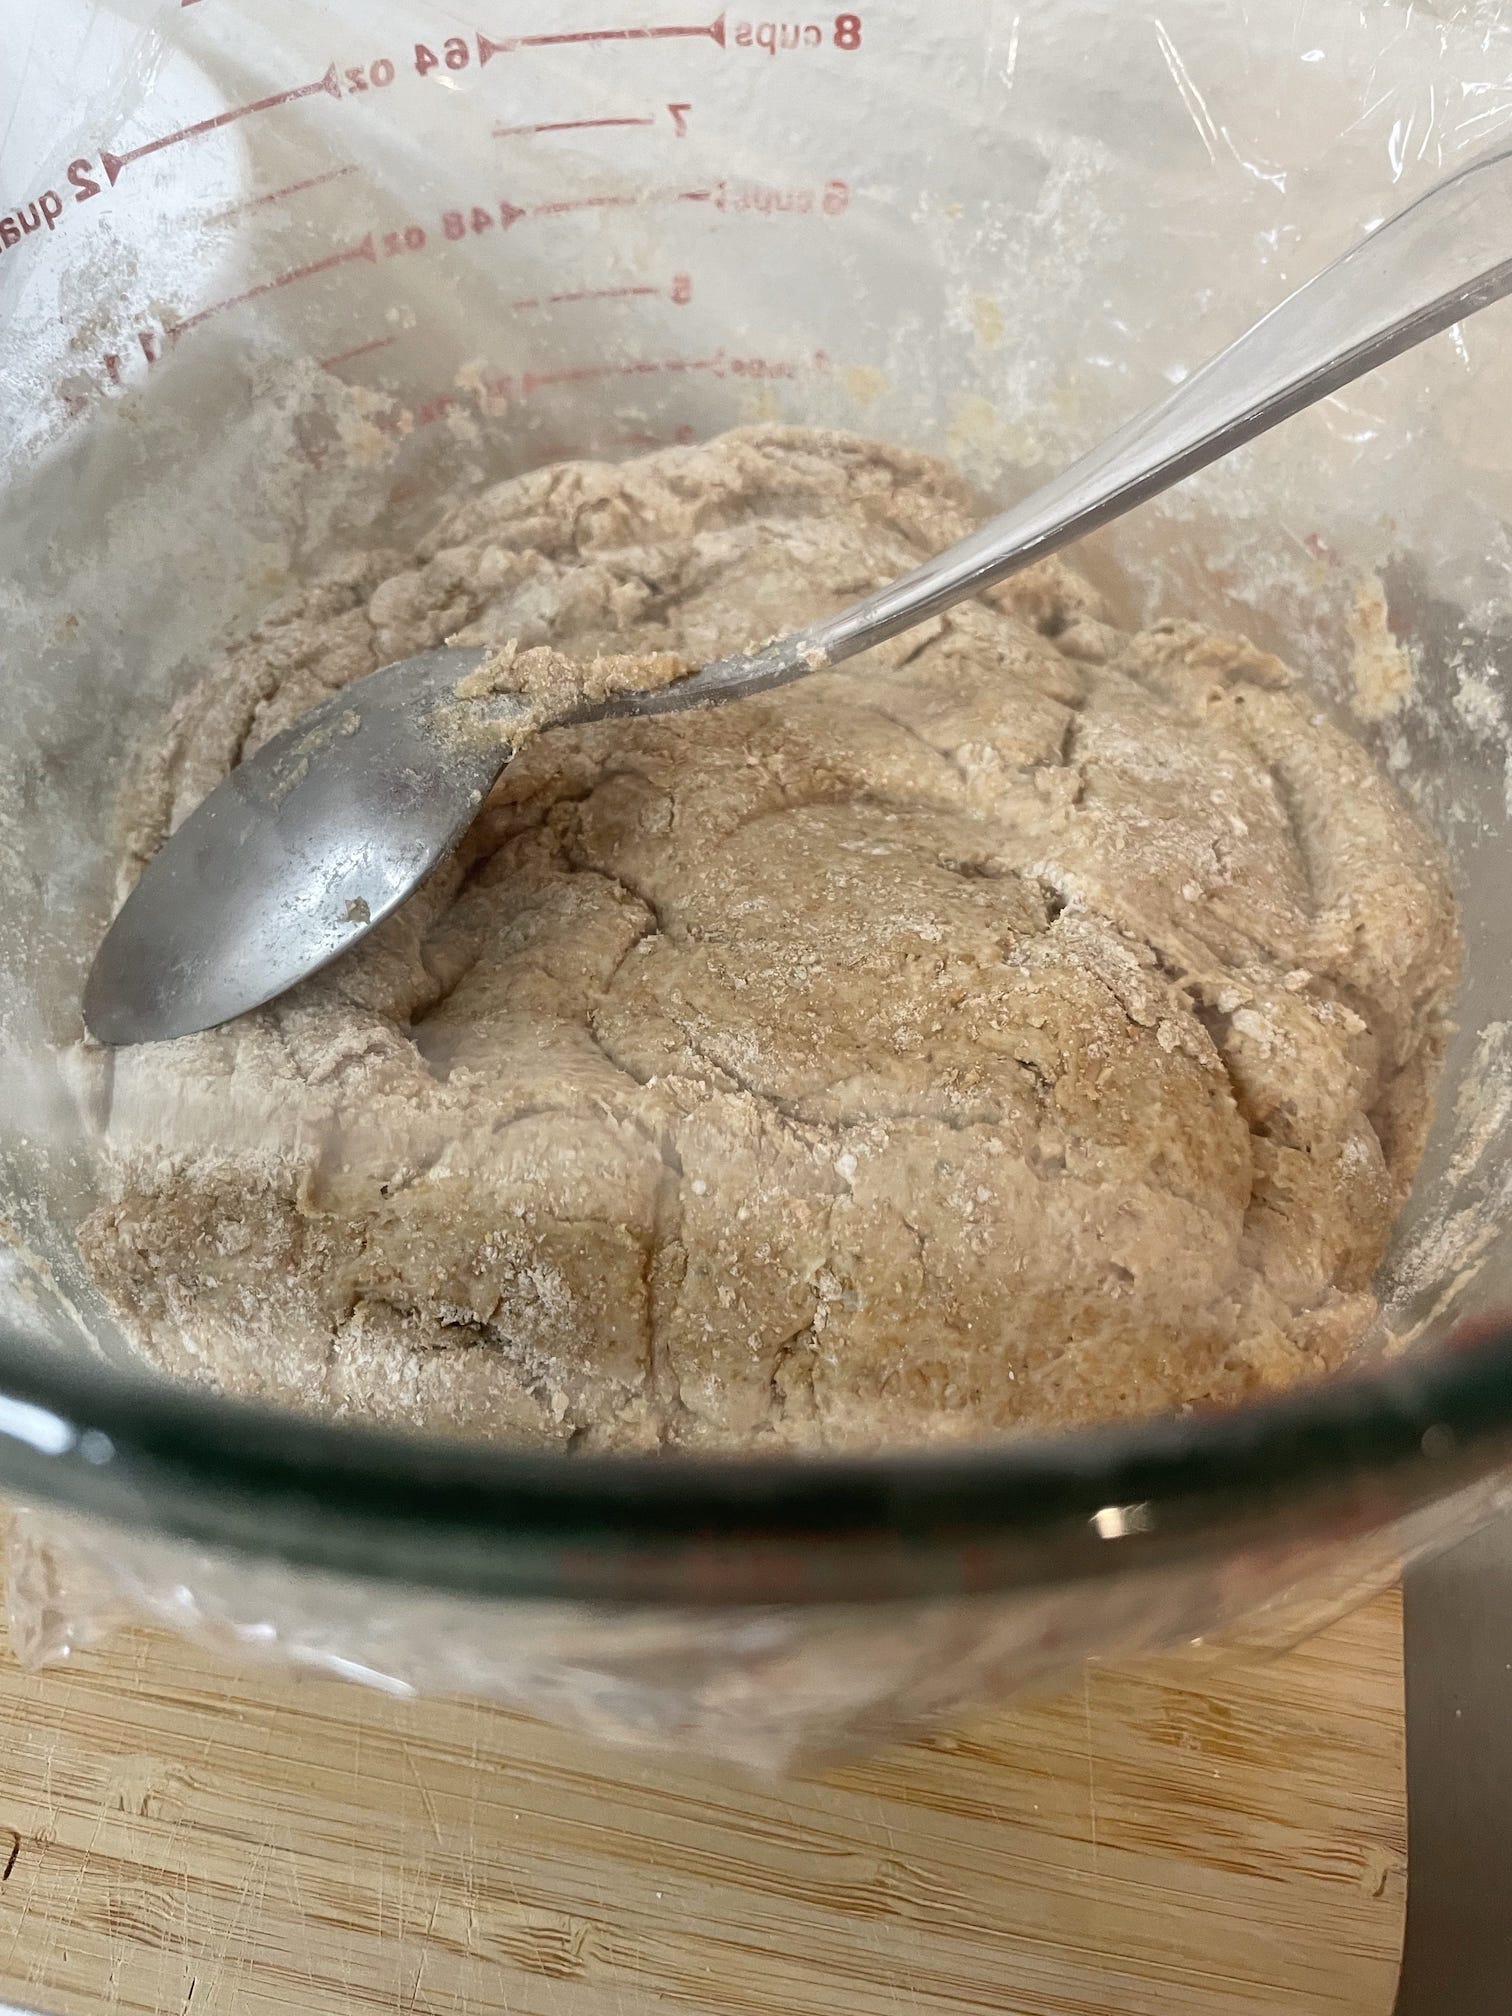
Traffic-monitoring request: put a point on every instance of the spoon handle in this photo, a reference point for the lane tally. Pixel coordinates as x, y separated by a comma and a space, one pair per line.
1446, 255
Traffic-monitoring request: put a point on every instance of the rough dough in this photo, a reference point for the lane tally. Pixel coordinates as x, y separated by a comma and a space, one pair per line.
1024, 1024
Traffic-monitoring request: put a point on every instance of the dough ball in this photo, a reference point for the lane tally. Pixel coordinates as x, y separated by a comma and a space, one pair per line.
1023, 1025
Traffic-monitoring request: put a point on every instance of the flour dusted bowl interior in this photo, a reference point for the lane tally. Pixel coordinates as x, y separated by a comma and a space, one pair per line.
255, 342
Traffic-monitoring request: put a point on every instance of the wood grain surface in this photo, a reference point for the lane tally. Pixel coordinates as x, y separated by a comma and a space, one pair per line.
1183, 1839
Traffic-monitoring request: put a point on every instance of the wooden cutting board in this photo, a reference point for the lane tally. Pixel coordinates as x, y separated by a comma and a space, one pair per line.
1173, 1839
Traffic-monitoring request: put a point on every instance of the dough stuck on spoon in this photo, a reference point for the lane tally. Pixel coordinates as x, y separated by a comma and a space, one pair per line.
553, 685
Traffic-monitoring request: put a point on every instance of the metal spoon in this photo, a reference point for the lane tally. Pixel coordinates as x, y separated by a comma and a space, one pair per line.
325, 831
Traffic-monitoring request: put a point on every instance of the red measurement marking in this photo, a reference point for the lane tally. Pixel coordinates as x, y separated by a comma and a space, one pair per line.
721, 365
597, 293
588, 294
510, 214
364, 249
289, 189
358, 350
424, 415
114, 163
640, 367
405, 420
582, 203
565, 126
487, 46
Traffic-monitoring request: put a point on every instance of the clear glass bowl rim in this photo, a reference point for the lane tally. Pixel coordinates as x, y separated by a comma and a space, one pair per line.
1325, 1460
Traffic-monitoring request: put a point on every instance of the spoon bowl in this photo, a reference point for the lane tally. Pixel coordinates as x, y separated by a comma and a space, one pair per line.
295, 857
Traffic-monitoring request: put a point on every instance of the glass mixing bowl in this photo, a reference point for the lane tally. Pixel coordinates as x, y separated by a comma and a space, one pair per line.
278, 276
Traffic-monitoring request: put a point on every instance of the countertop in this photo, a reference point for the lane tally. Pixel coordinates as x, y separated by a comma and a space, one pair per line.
1183, 1837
